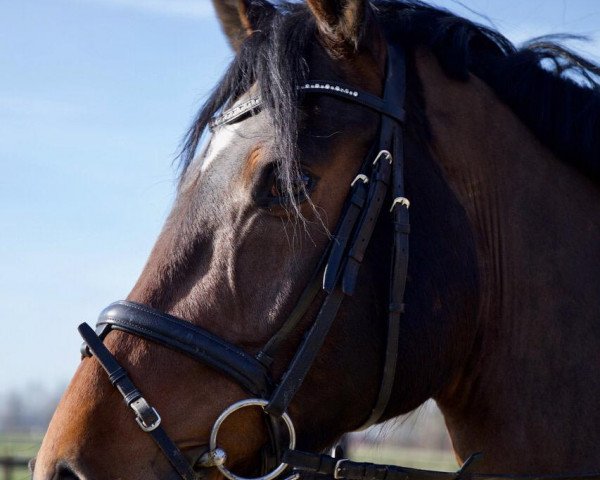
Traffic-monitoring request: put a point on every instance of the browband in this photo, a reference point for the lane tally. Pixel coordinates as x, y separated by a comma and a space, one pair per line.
243, 110
338, 89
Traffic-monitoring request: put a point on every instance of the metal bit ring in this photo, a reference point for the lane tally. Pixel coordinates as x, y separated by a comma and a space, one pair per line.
233, 408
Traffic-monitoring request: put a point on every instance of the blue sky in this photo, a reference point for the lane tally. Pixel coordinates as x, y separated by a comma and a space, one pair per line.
95, 96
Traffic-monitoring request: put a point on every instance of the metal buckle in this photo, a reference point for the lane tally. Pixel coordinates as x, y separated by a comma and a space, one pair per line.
153, 426
143, 410
362, 177
228, 411
212, 458
405, 202
338, 468
381, 154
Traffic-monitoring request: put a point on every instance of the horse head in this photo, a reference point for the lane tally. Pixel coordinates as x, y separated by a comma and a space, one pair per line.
274, 265
254, 213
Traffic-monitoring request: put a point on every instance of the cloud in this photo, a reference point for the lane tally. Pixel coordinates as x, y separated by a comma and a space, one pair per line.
174, 8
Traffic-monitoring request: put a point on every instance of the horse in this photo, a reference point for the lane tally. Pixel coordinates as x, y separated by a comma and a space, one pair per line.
500, 319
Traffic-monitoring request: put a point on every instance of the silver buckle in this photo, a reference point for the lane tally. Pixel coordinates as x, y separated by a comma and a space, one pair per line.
153, 426
338, 468
385, 153
143, 410
362, 177
405, 202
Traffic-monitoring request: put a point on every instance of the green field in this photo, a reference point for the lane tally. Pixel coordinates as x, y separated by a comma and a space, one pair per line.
18, 446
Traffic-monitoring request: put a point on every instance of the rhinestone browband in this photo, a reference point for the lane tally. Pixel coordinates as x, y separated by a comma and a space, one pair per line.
236, 112
253, 105
328, 86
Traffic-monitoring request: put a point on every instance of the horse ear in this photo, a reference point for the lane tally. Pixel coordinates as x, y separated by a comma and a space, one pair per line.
343, 23
239, 18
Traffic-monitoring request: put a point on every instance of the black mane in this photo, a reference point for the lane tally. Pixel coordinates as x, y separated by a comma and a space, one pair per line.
555, 92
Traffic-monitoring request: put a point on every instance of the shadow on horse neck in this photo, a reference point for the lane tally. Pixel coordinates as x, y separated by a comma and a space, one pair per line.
502, 318
523, 394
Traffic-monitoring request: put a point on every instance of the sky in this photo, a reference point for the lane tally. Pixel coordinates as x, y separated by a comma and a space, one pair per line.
95, 96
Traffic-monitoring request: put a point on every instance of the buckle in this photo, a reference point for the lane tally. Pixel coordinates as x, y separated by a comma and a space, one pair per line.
146, 416
383, 153
85, 350
362, 177
405, 202
153, 426
337, 471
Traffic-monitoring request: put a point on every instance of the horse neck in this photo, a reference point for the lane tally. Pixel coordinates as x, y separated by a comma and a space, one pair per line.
528, 395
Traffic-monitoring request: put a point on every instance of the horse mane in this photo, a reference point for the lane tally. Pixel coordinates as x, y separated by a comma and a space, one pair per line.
555, 92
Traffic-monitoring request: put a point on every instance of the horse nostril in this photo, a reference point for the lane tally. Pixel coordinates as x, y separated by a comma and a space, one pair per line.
64, 472
31, 465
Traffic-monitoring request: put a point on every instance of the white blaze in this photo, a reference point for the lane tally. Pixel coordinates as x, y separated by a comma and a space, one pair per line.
221, 140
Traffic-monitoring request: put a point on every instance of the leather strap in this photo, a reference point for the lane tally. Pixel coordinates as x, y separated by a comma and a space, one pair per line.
395, 90
363, 233
347, 92
182, 336
146, 416
268, 352
252, 106
305, 355
358, 198
325, 467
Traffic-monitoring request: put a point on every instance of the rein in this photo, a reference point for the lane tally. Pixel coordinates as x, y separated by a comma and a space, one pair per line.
381, 176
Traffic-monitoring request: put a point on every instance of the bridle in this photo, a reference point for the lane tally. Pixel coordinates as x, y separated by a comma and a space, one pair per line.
381, 177
336, 275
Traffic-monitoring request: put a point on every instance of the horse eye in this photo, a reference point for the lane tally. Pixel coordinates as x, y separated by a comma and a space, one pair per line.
300, 185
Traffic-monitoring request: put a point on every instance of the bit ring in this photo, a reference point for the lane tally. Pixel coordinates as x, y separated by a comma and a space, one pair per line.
233, 408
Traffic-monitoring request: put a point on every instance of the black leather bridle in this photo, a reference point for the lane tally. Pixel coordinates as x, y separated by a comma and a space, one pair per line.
336, 275
380, 178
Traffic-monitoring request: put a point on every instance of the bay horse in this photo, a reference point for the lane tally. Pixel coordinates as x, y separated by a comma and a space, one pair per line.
501, 325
